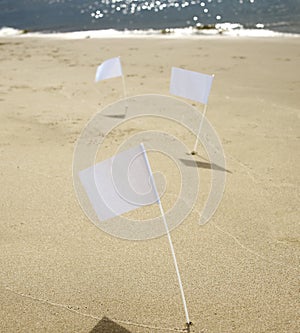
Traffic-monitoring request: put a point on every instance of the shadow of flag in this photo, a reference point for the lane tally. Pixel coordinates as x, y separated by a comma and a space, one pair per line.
117, 116
106, 325
203, 165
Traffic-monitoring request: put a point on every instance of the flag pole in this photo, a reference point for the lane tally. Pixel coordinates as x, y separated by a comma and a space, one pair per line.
188, 322
194, 152
124, 93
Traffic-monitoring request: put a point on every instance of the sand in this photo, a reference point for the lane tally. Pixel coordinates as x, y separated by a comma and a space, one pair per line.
240, 271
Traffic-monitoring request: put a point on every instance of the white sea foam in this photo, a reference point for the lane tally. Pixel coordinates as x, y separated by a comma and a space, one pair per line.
222, 29
8, 32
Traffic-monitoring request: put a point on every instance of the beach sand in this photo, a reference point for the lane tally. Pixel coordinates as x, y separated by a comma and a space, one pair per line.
240, 271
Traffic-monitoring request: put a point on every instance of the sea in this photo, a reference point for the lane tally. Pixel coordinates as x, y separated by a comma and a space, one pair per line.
150, 17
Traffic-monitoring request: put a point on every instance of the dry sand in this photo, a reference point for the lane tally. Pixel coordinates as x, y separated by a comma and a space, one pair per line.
60, 273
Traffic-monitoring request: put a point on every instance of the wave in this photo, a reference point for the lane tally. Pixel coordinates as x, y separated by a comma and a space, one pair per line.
7, 32
220, 29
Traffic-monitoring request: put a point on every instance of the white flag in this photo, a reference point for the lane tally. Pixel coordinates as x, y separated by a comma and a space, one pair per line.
120, 184
192, 85
109, 69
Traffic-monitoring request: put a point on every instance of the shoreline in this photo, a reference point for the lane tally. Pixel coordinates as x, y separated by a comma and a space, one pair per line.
229, 31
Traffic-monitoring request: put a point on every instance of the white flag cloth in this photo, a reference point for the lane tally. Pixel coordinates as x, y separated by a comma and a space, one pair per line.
192, 85
109, 69
120, 184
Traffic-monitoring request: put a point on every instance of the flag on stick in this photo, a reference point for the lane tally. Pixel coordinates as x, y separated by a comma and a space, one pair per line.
123, 183
109, 69
191, 85
119, 184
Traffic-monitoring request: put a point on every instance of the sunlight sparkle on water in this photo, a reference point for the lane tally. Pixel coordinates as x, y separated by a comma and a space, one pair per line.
107, 8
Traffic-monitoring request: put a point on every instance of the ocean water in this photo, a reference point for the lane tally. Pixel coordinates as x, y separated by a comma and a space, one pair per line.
142, 15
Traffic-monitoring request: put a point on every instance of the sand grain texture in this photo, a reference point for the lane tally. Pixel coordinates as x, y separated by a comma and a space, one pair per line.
59, 273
